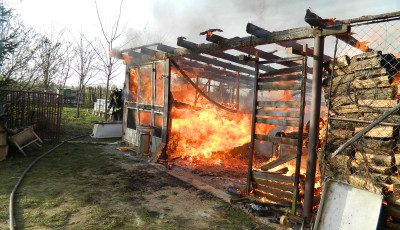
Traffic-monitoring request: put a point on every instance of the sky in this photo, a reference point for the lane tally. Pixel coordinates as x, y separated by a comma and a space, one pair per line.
165, 20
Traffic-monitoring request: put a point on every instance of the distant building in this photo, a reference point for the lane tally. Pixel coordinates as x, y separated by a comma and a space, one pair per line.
70, 96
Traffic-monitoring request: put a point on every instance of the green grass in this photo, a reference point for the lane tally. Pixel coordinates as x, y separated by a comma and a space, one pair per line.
71, 125
80, 186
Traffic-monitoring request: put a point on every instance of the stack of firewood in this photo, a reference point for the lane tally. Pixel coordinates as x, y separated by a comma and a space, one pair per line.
358, 90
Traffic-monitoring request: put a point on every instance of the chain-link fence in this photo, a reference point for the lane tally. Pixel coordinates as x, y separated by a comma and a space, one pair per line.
361, 86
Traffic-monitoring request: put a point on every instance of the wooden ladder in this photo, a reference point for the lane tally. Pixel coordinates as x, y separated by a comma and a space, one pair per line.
272, 186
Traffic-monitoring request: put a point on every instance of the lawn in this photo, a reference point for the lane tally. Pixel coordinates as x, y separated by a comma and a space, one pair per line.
86, 186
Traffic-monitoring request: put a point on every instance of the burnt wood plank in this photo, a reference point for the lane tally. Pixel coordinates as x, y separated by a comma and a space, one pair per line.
284, 187
273, 191
281, 160
282, 78
273, 177
279, 104
272, 198
277, 122
295, 86
283, 71
276, 140
278, 113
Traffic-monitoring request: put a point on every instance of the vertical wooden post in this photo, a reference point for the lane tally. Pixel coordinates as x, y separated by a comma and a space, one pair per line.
237, 90
314, 126
253, 128
166, 125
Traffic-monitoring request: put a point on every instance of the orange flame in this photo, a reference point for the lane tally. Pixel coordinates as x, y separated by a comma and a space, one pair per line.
126, 58
199, 135
362, 46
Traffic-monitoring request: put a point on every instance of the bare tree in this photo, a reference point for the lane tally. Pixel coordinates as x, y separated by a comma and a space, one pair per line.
19, 65
109, 65
49, 57
65, 66
84, 66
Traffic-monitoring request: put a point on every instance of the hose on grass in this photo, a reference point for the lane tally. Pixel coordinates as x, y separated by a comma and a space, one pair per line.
11, 205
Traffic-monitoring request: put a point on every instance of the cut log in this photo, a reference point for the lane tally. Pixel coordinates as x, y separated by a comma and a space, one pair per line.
340, 133
376, 93
378, 131
360, 167
338, 165
337, 80
376, 146
362, 183
374, 116
363, 64
281, 160
340, 89
346, 99
379, 103
346, 109
381, 81
367, 55
339, 62
378, 160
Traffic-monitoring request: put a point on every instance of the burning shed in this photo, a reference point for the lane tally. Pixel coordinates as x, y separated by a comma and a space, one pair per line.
243, 103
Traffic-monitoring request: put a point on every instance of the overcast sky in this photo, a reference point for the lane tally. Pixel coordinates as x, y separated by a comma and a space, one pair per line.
166, 20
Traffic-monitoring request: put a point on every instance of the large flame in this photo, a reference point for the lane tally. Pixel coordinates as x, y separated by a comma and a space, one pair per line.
200, 135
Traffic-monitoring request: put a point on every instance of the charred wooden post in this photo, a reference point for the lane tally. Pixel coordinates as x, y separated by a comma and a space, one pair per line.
253, 128
167, 109
237, 90
314, 126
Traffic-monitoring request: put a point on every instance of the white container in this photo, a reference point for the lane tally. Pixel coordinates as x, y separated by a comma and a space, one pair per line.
107, 129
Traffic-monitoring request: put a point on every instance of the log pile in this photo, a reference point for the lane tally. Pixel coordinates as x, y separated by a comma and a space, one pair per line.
359, 90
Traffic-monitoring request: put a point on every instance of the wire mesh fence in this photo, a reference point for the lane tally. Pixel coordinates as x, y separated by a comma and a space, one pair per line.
360, 88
